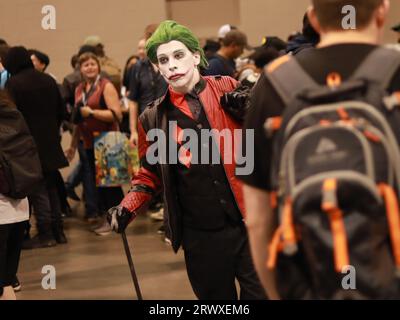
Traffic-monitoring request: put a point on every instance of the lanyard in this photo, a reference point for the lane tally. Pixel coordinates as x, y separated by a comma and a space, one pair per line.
87, 95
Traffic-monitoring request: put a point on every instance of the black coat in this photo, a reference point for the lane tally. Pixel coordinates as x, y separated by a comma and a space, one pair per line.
39, 100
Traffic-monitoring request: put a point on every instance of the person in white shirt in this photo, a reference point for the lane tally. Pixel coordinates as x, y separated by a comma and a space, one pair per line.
14, 214
13, 217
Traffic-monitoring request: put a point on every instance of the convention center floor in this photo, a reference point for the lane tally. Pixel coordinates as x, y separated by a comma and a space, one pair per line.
96, 267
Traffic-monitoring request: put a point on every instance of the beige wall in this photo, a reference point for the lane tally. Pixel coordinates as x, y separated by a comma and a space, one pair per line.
258, 18
120, 23
205, 17
265, 18
281, 17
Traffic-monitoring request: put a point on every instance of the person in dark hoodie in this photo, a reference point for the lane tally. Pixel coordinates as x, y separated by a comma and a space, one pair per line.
38, 99
304, 41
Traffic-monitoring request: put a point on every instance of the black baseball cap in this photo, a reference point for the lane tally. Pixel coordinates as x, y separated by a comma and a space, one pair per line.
273, 42
42, 57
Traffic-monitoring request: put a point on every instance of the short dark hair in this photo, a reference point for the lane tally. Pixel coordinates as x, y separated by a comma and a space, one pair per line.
2, 41
74, 61
134, 56
234, 37
274, 42
262, 56
329, 12
309, 32
3, 51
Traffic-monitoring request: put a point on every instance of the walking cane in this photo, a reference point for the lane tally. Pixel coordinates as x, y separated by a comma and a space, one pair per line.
131, 266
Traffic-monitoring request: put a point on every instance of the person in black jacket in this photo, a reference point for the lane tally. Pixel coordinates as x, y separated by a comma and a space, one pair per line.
38, 99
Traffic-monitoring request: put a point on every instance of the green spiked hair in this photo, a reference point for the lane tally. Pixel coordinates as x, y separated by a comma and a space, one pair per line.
168, 31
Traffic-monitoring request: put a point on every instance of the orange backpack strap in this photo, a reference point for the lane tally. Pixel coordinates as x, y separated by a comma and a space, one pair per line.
392, 101
275, 64
284, 238
331, 207
274, 248
288, 230
344, 116
273, 199
272, 125
392, 212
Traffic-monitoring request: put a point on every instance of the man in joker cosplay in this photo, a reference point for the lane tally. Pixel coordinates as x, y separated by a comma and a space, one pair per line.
203, 202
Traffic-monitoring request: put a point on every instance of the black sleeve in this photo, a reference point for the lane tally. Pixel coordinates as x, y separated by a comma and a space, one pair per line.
126, 76
67, 92
134, 84
61, 105
264, 103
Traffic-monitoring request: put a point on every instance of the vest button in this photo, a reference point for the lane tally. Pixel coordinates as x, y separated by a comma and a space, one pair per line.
200, 126
222, 201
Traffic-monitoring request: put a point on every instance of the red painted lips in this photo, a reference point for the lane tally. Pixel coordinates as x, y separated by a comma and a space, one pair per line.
176, 76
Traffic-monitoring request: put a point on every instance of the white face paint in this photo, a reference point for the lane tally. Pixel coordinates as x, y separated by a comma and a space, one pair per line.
178, 65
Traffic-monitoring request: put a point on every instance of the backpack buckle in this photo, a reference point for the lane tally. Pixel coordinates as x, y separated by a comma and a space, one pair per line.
272, 125
392, 101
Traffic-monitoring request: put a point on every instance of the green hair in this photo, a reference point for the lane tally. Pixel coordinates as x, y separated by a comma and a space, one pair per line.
168, 31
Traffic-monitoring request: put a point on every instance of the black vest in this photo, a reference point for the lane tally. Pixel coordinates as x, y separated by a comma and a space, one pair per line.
204, 194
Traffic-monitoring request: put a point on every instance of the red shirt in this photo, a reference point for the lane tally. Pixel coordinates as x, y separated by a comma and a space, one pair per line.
91, 125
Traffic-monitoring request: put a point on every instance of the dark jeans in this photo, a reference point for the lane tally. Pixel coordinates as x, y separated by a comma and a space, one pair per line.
39, 201
214, 259
108, 196
62, 192
46, 204
75, 177
83, 173
11, 237
52, 179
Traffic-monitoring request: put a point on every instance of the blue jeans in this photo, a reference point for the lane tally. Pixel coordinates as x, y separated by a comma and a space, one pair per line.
75, 177
84, 173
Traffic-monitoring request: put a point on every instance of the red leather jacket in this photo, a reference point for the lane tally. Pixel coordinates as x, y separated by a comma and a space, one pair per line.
152, 179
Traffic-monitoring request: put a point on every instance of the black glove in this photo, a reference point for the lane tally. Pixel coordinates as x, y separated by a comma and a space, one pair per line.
119, 218
236, 103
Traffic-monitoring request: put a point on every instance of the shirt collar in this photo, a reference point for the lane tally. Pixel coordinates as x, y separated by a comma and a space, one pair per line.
198, 88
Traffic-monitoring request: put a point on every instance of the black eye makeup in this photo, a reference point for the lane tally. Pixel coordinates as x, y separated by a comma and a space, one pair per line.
179, 55
162, 60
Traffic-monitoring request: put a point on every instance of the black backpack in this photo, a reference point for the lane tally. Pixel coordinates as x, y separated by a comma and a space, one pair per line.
336, 172
20, 168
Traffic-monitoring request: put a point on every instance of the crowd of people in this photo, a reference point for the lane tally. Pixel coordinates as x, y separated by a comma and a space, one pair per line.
317, 149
